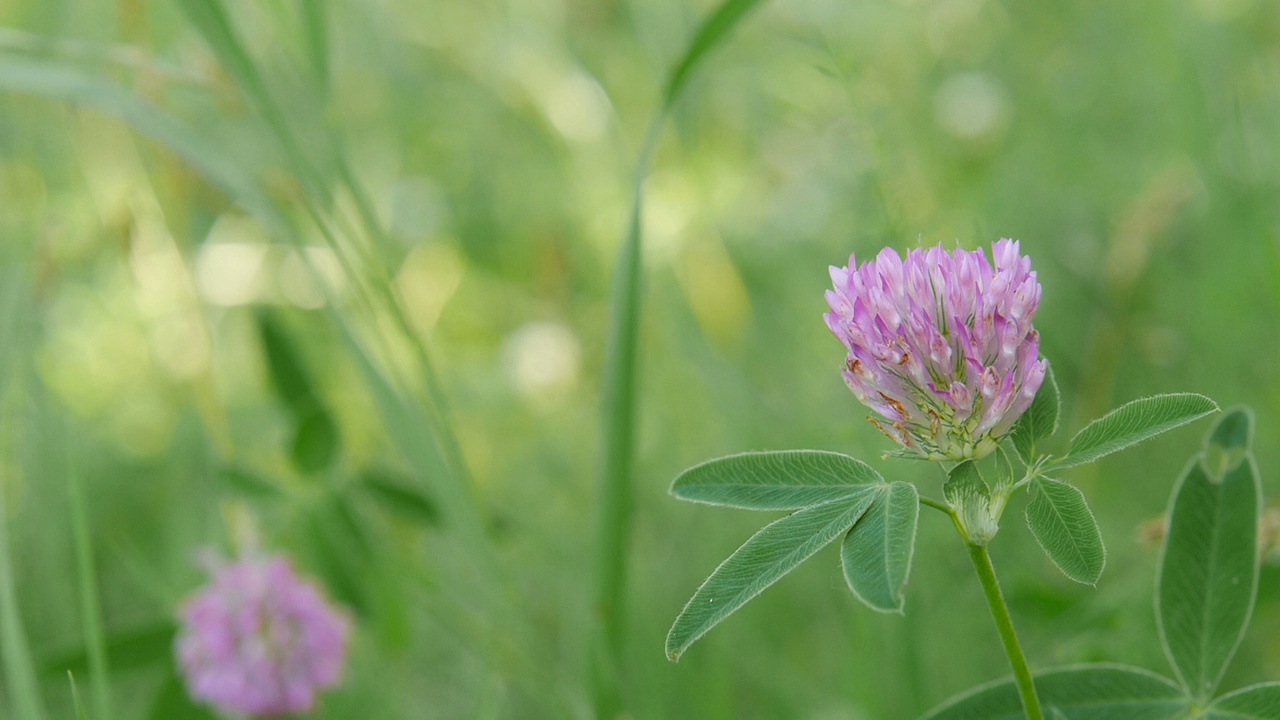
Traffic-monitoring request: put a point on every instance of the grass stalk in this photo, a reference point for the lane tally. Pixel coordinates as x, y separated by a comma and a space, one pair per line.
614, 515
91, 620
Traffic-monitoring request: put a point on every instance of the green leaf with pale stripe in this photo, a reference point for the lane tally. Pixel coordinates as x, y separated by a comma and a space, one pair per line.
761, 561
1256, 702
1062, 523
967, 493
876, 552
75, 698
1040, 420
964, 481
785, 480
1083, 692
1132, 423
1208, 570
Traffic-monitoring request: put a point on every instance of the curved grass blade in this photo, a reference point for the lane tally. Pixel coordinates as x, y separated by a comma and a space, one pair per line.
1208, 576
876, 552
784, 480
1082, 692
1132, 423
1064, 526
761, 561
618, 407
1256, 702
711, 33
69, 83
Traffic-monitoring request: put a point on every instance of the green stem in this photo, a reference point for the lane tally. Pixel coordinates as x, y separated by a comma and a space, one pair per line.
613, 523
1004, 624
930, 502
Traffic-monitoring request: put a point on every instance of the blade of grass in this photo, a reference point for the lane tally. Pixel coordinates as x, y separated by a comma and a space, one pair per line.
213, 22
94, 638
619, 393
75, 697
19, 670
20, 676
70, 84
414, 431
315, 21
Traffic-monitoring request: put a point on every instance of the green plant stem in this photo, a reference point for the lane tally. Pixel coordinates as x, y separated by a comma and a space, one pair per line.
614, 520
1004, 624
90, 607
930, 502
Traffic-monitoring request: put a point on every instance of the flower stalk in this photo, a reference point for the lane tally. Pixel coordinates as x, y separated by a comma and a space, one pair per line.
1004, 625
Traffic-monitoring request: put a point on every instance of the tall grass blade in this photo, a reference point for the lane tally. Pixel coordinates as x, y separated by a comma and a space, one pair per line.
417, 431
619, 396
90, 607
315, 23
19, 670
711, 33
210, 18
212, 21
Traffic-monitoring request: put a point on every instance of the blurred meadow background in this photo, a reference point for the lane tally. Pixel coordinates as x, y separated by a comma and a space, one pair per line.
333, 277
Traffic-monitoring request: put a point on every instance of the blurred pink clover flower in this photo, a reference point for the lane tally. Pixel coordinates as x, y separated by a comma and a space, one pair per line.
260, 641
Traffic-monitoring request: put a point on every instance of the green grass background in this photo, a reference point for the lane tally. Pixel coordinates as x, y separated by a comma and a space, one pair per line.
459, 173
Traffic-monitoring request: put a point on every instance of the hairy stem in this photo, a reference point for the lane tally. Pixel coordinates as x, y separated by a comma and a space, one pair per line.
1004, 624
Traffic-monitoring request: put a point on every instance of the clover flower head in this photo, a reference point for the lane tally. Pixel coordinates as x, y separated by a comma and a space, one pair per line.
940, 345
260, 641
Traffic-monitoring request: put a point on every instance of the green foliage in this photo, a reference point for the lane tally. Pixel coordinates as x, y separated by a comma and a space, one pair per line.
619, 382
19, 668
964, 481
969, 497
75, 698
1256, 702
1205, 595
315, 443
876, 552
826, 129
1086, 692
1133, 423
711, 33
784, 480
1064, 526
400, 497
248, 484
341, 552
1040, 421
1209, 570
315, 21
172, 702
315, 439
90, 605
763, 560
832, 494
146, 646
